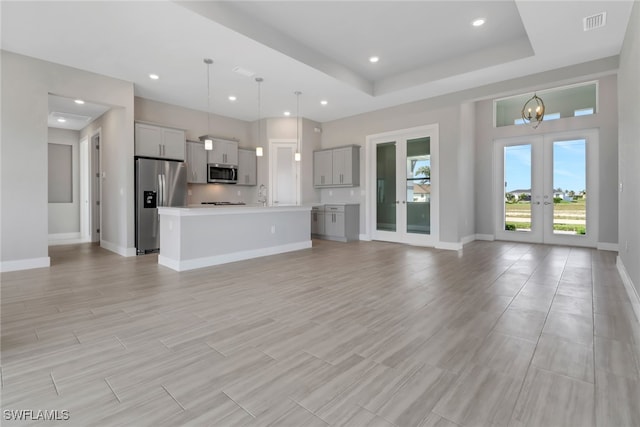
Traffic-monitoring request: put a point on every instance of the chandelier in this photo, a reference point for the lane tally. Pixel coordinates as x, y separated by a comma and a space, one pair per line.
533, 111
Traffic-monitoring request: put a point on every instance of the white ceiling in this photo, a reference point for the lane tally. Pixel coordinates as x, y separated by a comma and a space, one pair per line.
76, 116
426, 48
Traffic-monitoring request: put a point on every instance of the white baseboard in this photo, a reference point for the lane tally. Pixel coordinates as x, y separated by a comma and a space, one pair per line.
604, 246
365, 237
192, 264
468, 239
449, 246
67, 239
487, 237
120, 250
25, 264
629, 286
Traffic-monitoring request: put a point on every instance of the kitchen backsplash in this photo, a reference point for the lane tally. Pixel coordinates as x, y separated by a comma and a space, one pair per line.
221, 193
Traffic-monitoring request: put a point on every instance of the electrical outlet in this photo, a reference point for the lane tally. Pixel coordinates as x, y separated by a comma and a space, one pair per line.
273, 229
189, 192
239, 193
352, 192
330, 193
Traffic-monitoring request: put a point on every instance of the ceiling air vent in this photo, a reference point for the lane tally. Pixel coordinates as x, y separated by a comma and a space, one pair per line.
595, 21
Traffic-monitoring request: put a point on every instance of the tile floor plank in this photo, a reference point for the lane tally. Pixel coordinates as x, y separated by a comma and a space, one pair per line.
356, 334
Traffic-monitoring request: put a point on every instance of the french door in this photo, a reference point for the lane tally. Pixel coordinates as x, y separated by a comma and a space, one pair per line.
546, 189
403, 183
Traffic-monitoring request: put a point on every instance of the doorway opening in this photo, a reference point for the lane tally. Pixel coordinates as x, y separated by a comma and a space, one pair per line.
284, 173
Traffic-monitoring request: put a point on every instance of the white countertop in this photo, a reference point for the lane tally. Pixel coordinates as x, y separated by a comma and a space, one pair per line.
203, 210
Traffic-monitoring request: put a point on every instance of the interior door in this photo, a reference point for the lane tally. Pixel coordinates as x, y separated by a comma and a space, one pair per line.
547, 189
403, 187
283, 174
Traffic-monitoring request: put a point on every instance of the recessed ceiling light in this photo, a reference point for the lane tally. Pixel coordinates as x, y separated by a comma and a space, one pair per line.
61, 120
79, 101
374, 59
324, 102
232, 98
478, 22
287, 113
154, 76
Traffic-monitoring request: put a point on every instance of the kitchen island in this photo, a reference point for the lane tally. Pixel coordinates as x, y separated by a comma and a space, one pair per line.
196, 237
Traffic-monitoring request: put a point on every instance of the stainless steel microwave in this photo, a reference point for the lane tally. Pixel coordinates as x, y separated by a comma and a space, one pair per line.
222, 174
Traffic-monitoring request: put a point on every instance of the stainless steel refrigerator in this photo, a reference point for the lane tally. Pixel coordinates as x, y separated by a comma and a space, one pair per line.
158, 183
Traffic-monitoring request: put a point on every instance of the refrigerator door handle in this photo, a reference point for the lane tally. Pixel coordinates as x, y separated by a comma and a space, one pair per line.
164, 190
159, 190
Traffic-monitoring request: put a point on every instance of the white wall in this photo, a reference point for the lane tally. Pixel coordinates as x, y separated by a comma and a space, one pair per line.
629, 149
606, 121
64, 218
26, 85
466, 172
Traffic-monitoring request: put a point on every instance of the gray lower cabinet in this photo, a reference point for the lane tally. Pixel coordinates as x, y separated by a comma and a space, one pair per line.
341, 222
317, 220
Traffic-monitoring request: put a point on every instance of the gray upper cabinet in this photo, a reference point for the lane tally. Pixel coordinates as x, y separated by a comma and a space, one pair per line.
196, 163
322, 173
247, 167
224, 152
338, 167
159, 142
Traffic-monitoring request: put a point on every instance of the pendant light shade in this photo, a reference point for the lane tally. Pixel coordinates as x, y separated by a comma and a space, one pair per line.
259, 151
208, 142
297, 157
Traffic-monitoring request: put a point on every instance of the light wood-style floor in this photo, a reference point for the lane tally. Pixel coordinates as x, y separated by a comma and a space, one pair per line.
356, 334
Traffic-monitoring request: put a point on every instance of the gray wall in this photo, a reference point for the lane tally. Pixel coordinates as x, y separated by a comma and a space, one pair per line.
354, 130
26, 85
65, 217
629, 149
606, 121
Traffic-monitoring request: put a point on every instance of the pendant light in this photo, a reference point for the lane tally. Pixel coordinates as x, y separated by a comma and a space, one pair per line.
208, 142
259, 152
538, 116
297, 155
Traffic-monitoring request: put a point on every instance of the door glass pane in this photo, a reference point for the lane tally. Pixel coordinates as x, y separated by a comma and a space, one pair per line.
517, 188
418, 186
569, 187
386, 186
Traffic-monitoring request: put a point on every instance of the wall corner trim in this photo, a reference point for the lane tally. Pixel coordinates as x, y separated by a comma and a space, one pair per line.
25, 264
630, 288
468, 239
120, 250
449, 246
604, 246
486, 237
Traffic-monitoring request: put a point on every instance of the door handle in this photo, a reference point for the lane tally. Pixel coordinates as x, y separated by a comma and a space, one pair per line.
159, 196
397, 202
403, 202
546, 203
